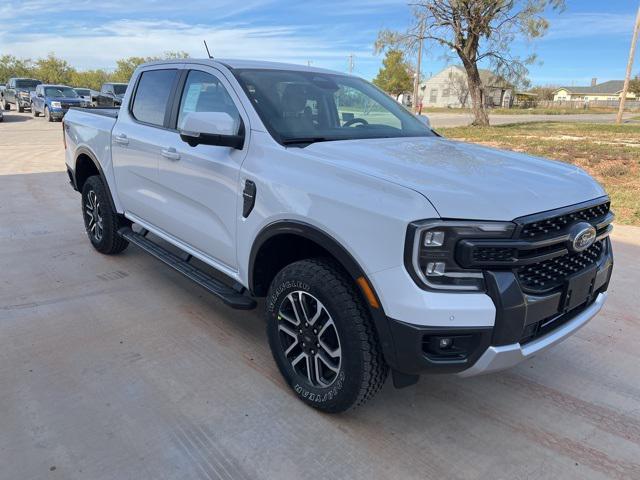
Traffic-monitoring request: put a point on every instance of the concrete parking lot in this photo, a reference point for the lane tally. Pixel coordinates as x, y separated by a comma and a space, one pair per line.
119, 368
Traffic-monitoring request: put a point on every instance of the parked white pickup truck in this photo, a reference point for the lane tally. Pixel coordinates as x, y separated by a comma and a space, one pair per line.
378, 244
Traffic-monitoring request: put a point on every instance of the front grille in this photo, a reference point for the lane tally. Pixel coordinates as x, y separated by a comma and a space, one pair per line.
494, 254
550, 274
554, 225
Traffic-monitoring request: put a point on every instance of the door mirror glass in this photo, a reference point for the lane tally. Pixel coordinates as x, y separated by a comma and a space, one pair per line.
424, 119
212, 128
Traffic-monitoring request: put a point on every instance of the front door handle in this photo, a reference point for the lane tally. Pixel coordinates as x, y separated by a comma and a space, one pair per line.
121, 139
170, 153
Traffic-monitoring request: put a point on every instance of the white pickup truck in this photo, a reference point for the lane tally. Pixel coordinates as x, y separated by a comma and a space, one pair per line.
379, 245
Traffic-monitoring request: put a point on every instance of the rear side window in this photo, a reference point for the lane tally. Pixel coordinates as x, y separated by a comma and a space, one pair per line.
152, 96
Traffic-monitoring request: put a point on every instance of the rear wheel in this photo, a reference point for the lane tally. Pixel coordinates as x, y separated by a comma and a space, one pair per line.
100, 221
322, 338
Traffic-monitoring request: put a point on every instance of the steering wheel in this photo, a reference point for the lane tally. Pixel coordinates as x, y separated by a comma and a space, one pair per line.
353, 121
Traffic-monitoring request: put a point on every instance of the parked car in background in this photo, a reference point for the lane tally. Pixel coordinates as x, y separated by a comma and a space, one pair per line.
53, 101
87, 94
111, 95
376, 243
18, 92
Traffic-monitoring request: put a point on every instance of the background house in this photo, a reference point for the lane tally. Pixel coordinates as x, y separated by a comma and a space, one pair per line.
611, 90
449, 89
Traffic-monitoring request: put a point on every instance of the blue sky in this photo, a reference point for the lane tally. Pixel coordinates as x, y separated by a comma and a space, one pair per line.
589, 39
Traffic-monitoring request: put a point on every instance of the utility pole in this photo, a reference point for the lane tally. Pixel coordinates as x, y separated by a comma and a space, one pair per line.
632, 52
351, 63
416, 82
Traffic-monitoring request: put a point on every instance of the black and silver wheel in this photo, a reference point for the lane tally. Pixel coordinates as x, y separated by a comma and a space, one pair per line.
100, 221
322, 338
47, 114
34, 112
19, 109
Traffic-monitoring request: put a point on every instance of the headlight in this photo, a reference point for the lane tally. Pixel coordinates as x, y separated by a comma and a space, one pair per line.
56, 105
430, 252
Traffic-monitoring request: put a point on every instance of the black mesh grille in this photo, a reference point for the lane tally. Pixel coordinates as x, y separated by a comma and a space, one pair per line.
554, 225
552, 273
494, 254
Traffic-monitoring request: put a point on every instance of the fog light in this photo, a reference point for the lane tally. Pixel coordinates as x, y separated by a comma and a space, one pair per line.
445, 342
435, 269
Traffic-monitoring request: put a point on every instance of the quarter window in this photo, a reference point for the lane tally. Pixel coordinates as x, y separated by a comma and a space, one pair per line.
205, 93
152, 96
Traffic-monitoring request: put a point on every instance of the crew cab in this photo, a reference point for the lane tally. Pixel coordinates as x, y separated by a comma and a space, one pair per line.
110, 95
53, 101
377, 244
18, 92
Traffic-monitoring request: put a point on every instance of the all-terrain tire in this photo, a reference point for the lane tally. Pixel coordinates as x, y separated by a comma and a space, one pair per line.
34, 112
47, 114
100, 220
361, 370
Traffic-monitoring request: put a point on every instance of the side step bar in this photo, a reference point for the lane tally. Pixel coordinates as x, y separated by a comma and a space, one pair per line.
227, 294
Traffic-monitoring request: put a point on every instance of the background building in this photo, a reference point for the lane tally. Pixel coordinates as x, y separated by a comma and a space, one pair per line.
611, 90
449, 89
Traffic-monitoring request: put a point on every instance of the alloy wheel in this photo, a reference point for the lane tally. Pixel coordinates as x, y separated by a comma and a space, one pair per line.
309, 338
94, 216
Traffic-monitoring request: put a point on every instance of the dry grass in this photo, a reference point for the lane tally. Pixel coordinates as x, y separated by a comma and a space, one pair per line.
611, 153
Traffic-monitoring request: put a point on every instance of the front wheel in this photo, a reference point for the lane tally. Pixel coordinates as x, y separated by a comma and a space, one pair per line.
18, 107
322, 338
34, 111
47, 114
100, 221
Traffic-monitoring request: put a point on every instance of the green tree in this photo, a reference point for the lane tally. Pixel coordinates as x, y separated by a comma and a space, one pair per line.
634, 85
11, 66
394, 76
476, 31
126, 66
53, 70
90, 78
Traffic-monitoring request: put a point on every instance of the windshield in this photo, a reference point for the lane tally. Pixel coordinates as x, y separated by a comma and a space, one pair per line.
27, 84
82, 91
119, 89
60, 92
305, 107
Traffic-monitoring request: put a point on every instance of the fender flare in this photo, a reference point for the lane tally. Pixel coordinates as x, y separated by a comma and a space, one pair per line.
342, 255
87, 152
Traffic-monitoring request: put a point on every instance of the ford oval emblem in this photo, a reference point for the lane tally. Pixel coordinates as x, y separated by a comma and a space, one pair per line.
581, 236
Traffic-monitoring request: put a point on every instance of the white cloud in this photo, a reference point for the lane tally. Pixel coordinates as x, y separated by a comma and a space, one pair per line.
580, 25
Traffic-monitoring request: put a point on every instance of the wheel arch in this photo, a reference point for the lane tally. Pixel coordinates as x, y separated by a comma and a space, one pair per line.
301, 240
86, 165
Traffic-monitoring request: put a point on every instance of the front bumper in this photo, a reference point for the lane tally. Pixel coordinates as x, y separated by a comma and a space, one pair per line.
58, 113
521, 326
497, 358
23, 102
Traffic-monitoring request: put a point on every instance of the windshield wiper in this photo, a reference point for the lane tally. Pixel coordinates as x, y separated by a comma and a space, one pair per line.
304, 140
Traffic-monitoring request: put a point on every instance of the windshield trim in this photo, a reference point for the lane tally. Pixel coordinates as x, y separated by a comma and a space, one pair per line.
291, 141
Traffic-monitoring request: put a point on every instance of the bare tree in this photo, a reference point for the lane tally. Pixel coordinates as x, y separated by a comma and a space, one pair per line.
476, 30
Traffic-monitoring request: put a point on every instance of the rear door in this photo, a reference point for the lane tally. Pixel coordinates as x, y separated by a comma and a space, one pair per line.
138, 137
200, 185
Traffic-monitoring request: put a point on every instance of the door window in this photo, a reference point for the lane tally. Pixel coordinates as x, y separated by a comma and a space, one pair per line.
152, 96
205, 93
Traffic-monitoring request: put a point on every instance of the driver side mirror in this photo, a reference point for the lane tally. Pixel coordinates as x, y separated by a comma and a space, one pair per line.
40, 95
212, 128
424, 119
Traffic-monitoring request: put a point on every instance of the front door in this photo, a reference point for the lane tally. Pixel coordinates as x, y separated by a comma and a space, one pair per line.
200, 185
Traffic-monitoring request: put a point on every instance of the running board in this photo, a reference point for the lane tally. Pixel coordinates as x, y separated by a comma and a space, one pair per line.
227, 294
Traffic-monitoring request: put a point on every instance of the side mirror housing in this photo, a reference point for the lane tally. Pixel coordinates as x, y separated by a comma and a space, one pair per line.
212, 128
424, 119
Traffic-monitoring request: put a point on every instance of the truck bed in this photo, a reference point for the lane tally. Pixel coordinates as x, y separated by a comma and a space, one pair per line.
104, 111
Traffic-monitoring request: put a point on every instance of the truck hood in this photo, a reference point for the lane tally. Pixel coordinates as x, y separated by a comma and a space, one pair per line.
463, 180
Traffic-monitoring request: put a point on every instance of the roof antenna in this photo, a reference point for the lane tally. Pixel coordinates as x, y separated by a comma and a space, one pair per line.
205, 46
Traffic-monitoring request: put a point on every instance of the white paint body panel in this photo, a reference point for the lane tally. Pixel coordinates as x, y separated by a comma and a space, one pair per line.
363, 193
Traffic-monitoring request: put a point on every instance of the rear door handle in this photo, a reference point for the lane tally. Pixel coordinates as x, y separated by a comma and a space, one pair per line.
170, 153
121, 139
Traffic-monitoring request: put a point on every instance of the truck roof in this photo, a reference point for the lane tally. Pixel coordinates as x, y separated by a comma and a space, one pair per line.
237, 63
